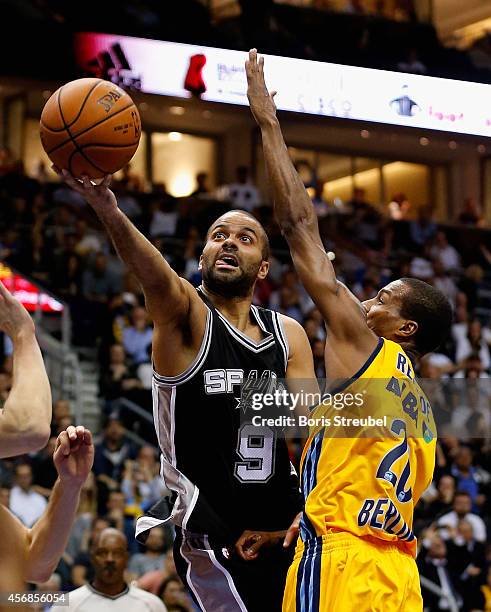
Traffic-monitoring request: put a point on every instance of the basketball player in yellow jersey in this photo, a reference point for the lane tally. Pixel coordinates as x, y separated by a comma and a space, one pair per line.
356, 547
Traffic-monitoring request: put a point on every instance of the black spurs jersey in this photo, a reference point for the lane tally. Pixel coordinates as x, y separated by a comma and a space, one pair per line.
227, 475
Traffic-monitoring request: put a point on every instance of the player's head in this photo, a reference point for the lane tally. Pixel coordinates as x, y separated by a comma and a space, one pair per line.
412, 313
109, 556
236, 254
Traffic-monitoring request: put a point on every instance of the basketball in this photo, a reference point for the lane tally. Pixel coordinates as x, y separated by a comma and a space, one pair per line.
90, 126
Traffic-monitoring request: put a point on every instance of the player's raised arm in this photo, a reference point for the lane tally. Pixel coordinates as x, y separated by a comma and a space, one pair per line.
297, 219
26, 415
171, 301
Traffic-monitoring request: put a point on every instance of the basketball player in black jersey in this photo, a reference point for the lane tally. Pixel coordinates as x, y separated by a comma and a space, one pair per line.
232, 483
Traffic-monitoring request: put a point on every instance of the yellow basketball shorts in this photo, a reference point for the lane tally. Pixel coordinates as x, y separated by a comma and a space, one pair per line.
342, 573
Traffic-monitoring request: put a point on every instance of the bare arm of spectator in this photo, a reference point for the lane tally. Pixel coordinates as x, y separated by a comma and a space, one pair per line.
25, 418
172, 302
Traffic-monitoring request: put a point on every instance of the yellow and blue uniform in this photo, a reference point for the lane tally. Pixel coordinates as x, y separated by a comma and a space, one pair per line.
361, 481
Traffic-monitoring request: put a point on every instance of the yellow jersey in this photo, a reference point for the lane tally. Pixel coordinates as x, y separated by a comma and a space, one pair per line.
370, 454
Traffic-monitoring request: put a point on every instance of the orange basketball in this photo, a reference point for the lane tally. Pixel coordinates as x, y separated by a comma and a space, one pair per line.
90, 126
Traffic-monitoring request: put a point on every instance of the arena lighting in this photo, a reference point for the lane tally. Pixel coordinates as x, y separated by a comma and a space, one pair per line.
303, 86
175, 136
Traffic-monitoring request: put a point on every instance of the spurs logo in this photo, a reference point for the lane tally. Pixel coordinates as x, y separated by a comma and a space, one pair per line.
109, 100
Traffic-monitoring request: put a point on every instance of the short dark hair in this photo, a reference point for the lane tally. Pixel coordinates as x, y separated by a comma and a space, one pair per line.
263, 235
431, 310
461, 493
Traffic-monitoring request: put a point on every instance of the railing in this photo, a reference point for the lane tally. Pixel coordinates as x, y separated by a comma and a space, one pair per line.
436, 590
141, 413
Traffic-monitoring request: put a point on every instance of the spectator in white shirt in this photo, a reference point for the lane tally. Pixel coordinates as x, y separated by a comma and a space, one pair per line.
25, 503
445, 252
470, 339
241, 194
462, 511
109, 590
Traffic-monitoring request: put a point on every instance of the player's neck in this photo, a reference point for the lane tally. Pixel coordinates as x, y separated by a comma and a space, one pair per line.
235, 309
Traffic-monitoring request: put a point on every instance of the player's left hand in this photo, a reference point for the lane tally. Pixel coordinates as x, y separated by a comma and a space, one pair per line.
260, 100
293, 530
74, 455
250, 542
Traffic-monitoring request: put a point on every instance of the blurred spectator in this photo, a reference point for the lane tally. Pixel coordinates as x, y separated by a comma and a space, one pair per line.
163, 221
119, 377
25, 503
130, 180
421, 266
126, 202
423, 229
44, 470
174, 596
152, 581
321, 206
99, 282
399, 207
412, 63
61, 412
468, 557
82, 570
472, 339
445, 252
354, 7
86, 511
153, 558
87, 240
443, 282
145, 371
111, 453
465, 474
241, 194
471, 214
462, 506
5, 494
201, 185
138, 336
109, 558
434, 566
442, 503
142, 483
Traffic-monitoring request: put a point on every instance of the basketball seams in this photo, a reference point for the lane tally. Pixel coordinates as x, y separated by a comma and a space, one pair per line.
74, 142
81, 133
73, 153
67, 125
108, 146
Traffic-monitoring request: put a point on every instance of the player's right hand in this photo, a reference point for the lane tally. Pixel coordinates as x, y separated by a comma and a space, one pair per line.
260, 100
99, 196
14, 318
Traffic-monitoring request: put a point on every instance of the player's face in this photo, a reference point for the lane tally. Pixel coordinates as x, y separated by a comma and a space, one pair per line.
109, 558
232, 259
383, 312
